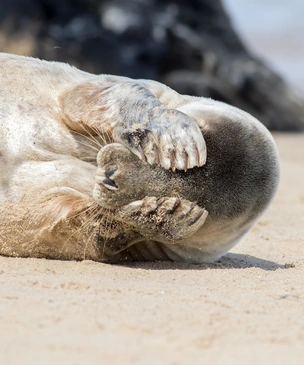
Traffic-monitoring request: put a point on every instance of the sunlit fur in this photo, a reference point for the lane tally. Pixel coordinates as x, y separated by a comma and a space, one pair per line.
54, 119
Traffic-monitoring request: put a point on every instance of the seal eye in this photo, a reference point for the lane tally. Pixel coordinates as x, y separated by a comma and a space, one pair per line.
110, 184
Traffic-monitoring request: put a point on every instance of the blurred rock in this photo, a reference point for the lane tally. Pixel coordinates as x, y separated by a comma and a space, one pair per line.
189, 45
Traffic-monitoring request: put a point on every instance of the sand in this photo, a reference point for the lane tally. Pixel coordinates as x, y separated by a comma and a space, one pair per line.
246, 309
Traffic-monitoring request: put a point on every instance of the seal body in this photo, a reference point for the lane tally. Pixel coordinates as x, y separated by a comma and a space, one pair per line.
109, 168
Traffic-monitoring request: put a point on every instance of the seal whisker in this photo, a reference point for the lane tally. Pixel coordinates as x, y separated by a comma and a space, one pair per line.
90, 139
106, 136
97, 133
88, 145
89, 214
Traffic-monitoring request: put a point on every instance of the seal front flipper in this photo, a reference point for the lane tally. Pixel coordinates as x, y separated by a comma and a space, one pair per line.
124, 110
144, 197
122, 178
165, 137
167, 220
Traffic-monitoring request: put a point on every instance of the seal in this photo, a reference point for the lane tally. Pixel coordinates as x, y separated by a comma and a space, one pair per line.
111, 169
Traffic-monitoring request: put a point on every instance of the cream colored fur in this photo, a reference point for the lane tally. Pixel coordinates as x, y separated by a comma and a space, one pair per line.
53, 121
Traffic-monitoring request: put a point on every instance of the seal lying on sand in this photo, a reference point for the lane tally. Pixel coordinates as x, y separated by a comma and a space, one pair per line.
109, 168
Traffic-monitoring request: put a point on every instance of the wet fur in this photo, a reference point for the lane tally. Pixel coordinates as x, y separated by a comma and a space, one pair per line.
54, 120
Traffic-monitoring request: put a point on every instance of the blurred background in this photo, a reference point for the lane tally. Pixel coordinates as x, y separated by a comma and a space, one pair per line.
248, 53
273, 30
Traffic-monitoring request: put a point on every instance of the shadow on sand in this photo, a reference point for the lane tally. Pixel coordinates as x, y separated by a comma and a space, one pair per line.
229, 261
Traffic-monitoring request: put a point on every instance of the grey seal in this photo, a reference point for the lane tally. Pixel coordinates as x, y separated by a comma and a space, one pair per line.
111, 169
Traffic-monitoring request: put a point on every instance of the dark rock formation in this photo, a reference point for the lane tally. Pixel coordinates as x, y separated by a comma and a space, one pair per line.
188, 44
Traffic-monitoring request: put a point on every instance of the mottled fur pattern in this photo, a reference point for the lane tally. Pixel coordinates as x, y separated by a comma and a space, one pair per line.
108, 168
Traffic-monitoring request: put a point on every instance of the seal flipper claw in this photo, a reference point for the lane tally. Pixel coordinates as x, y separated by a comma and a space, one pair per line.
142, 154
186, 160
156, 154
172, 160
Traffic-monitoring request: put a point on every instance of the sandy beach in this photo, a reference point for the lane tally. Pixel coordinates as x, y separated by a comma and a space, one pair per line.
248, 308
